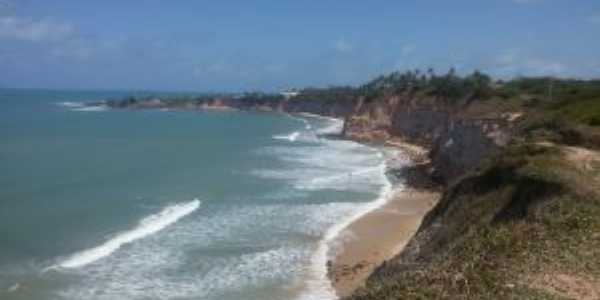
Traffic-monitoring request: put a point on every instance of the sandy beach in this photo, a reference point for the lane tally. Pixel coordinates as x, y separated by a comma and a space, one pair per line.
376, 237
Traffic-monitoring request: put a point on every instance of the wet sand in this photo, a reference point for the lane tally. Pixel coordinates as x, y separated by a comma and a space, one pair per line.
376, 237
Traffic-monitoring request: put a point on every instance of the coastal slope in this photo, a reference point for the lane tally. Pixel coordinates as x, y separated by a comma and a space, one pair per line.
517, 218
516, 168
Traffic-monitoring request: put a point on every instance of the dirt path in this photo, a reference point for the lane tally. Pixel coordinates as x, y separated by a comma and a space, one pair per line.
569, 286
583, 158
574, 286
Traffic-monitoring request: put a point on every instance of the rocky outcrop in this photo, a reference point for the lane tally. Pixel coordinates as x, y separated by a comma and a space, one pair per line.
459, 136
465, 144
331, 108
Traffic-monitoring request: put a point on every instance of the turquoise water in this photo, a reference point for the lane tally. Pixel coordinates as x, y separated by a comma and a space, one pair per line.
100, 204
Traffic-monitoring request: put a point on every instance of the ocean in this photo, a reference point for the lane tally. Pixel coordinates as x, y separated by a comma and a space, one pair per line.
104, 204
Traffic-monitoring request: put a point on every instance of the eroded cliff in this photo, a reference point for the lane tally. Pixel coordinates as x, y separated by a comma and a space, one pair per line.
459, 136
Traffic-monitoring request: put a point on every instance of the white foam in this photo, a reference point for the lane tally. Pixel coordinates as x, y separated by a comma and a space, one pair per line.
307, 125
91, 108
315, 116
335, 126
330, 164
70, 104
81, 106
147, 226
319, 285
146, 269
292, 137
13, 288
343, 181
337, 165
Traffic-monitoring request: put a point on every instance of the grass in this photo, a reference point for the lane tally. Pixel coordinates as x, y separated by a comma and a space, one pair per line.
523, 214
586, 111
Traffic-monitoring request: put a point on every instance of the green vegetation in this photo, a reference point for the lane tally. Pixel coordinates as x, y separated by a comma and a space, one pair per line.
525, 217
528, 212
561, 111
575, 100
330, 94
571, 102
449, 87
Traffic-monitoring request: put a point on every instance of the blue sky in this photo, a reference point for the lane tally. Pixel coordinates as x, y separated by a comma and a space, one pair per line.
267, 45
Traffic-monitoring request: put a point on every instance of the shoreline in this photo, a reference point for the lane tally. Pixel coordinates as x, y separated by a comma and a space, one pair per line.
354, 247
369, 239
319, 282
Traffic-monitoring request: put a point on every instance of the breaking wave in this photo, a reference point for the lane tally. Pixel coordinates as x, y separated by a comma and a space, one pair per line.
147, 226
292, 137
80, 106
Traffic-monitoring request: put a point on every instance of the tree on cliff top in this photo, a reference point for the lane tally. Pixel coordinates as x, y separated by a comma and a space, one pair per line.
450, 86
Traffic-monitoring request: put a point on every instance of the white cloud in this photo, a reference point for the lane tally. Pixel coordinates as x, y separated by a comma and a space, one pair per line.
517, 62
545, 67
12, 27
343, 45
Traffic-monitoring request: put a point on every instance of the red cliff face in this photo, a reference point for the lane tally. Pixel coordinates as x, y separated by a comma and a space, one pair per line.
459, 136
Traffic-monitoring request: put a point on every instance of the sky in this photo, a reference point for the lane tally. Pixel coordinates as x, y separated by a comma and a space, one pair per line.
218, 46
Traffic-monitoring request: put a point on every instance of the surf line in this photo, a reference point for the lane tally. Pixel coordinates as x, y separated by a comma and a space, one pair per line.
146, 227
